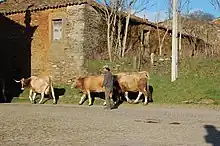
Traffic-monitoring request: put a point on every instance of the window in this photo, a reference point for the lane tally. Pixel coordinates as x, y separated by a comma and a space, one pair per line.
57, 29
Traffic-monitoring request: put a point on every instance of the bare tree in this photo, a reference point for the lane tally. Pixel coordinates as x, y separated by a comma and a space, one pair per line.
131, 7
111, 8
215, 3
117, 14
160, 41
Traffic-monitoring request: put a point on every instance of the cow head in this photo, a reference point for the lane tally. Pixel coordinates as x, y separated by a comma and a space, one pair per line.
78, 83
24, 82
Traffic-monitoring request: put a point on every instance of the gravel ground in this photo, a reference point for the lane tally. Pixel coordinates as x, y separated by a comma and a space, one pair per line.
26, 124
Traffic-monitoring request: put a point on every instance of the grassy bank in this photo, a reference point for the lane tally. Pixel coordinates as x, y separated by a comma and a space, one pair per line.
198, 82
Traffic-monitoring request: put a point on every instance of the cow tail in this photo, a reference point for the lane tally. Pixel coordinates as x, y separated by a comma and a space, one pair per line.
148, 82
51, 86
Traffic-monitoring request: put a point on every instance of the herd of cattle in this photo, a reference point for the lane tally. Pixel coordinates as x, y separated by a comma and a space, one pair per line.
123, 83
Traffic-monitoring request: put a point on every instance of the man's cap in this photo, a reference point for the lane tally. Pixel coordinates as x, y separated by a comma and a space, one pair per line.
105, 66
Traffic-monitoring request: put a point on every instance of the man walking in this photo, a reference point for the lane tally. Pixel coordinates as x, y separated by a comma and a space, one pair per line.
108, 84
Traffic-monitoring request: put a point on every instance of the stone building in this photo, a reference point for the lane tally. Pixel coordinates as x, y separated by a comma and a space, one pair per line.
42, 37
54, 35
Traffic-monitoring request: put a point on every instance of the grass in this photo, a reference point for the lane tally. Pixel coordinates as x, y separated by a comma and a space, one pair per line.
198, 80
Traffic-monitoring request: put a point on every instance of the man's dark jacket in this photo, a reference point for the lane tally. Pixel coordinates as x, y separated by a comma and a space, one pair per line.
108, 80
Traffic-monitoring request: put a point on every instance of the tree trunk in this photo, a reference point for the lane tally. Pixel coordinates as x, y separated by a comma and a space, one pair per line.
113, 33
161, 43
139, 61
125, 33
134, 62
108, 41
119, 38
147, 44
152, 58
180, 37
180, 44
141, 49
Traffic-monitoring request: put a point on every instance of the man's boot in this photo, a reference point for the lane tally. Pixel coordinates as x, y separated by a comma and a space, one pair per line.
108, 106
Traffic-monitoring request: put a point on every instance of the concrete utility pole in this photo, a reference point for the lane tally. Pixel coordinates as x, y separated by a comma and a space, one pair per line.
174, 43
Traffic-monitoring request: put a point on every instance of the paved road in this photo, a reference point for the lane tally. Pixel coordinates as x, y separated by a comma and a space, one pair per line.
26, 124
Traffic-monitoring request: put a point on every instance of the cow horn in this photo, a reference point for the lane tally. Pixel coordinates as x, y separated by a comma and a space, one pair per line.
17, 81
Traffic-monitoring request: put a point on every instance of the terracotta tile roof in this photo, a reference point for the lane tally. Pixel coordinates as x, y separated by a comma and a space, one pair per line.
19, 6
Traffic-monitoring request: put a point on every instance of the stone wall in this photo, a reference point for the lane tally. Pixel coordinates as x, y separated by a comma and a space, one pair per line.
95, 31
63, 59
189, 47
67, 55
39, 41
74, 37
57, 47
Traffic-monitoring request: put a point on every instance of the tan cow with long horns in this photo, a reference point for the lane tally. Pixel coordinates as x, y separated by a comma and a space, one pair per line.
42, 85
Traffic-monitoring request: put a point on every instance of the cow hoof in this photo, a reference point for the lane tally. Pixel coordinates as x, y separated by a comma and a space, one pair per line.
145, 104
80, 103
90, 104
135, 102
54, 103
129, 101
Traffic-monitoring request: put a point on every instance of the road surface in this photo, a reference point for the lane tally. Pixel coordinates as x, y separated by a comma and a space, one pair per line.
73, 125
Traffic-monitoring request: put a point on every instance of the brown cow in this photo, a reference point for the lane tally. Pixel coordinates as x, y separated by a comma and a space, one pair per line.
134, 82
42, 85
88, 84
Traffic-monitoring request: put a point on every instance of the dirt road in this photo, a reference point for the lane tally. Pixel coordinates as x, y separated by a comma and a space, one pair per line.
26, 124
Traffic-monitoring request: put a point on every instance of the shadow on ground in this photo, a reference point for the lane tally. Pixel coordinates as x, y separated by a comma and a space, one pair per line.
58, 92
213, 135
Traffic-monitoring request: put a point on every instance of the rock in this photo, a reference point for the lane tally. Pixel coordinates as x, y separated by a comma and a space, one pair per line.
206, 101
188, 101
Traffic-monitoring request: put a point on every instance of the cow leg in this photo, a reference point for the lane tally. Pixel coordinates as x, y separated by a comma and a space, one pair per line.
34, 96
90, 99
82, 99
42, 97
146, 97
138, 97
126, 96
30, 96
53, 95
